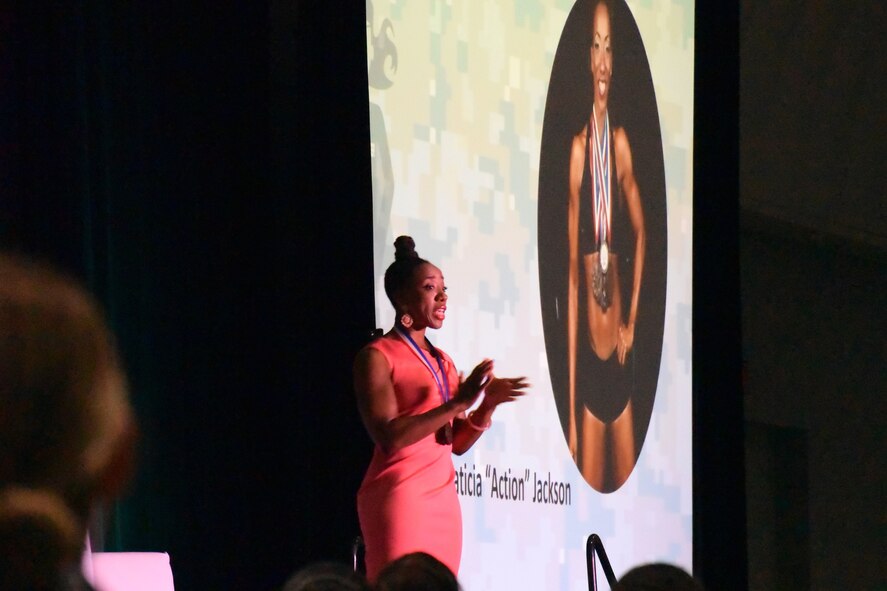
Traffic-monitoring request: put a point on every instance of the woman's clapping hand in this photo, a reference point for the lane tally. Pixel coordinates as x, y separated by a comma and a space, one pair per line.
471, 387
499, 390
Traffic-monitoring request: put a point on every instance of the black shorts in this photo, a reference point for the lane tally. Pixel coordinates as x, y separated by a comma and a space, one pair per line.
603, 386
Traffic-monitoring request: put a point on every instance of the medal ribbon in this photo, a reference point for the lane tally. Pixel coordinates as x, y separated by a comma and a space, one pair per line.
442, 387
601, 158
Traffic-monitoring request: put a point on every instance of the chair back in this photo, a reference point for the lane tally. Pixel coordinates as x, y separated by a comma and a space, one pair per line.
130, 571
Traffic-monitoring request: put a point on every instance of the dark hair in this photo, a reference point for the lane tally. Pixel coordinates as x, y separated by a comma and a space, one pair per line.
326, 576
417, 571
658, 577
64, 395
400, 272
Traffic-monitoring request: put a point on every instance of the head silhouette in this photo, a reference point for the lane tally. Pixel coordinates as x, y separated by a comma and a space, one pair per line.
418, 571
66, 429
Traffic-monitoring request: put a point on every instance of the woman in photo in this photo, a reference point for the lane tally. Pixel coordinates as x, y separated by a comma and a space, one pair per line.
605, 231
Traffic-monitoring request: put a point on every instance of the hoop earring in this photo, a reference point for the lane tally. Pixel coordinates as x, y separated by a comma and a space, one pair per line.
406, 321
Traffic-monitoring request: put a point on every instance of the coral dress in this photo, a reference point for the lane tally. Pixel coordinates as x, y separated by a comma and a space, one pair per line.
407, 501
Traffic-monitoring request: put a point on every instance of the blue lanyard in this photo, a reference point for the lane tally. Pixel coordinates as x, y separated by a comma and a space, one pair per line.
443, 388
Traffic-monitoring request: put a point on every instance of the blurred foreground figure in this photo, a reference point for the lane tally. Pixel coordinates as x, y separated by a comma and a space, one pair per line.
326, 576
66, 429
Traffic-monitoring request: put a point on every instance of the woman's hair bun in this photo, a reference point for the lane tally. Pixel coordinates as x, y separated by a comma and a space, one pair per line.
405, 248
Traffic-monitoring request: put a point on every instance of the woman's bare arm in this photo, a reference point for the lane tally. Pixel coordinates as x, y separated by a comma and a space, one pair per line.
625, 173
378, 406
577, 164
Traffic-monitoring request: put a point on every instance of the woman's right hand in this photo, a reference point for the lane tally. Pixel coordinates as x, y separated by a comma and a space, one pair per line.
471, 387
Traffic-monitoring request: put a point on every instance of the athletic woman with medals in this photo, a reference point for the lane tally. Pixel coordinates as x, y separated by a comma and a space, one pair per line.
413, 404
605, 231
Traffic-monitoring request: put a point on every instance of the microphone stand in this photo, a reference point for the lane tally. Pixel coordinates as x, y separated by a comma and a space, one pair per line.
593, 546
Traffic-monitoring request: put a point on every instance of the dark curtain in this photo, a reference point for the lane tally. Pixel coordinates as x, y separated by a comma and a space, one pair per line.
218, 202
719, 515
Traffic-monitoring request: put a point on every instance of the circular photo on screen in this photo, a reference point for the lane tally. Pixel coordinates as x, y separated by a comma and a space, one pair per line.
602, 239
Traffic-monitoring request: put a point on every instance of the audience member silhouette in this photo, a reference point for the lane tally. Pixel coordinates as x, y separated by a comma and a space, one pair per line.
417, 572
66, 429
658, 577
326, 576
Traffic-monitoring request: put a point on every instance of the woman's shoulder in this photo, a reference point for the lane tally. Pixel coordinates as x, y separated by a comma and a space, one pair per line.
378, 353
388, 345
578, 154
581, 137
620, 136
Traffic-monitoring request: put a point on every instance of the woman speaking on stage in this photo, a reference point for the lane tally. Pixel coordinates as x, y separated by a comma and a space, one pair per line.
605, 230
413, 403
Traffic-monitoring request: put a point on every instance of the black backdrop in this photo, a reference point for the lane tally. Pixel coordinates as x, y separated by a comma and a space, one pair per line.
203, 168
223, 220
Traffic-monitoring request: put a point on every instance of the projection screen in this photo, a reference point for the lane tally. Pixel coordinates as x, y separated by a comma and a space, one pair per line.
479, 116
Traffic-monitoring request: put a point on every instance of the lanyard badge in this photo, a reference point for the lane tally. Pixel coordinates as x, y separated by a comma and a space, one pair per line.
444, 435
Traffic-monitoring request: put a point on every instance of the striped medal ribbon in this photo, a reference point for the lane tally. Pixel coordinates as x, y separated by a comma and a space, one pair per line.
602, 190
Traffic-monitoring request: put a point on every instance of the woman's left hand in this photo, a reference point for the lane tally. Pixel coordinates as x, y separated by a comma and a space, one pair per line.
626, 341
501, 390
